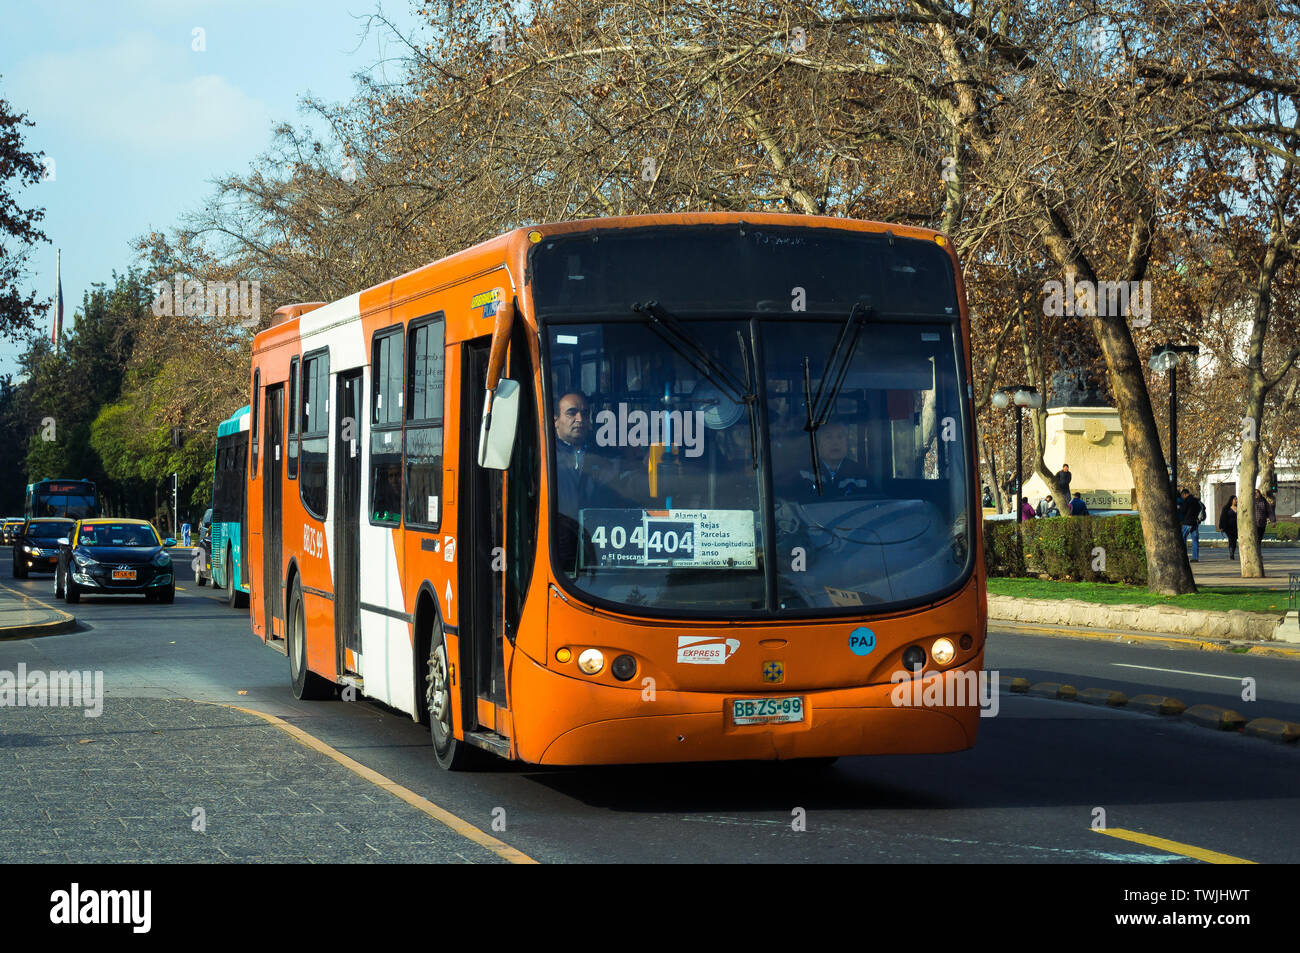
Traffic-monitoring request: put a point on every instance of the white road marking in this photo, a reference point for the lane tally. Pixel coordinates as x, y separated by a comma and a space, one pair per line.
1177, 671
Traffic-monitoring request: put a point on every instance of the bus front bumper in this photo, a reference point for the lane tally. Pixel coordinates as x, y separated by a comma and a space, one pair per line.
587, 723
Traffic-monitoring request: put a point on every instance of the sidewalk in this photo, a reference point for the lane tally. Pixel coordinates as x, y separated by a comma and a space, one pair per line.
1216, 569
24, 617
176, 781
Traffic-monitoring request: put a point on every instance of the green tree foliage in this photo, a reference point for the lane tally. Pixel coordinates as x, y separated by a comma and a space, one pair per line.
18, 226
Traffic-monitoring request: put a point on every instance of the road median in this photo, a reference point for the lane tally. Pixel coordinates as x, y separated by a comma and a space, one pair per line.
1234, 624
25, 617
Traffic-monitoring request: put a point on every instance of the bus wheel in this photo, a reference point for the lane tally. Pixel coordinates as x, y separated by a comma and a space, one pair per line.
234, 598
307, 685
452, 755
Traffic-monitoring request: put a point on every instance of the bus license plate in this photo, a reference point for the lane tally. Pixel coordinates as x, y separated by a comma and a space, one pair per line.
766, 711
123, 573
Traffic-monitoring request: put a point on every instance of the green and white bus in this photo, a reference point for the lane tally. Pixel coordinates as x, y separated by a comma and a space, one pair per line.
74, 499
230, 509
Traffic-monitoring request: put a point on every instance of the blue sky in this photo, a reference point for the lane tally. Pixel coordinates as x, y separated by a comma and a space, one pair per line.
138, 123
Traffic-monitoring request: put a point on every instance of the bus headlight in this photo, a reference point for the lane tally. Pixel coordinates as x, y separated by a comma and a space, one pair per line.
913, 658
943, 651
623, 667
591, 661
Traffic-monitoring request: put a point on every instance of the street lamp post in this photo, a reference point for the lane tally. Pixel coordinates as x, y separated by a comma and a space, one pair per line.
1022, 396
1166, 359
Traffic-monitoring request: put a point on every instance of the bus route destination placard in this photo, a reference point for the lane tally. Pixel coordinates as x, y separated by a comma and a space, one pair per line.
699, 539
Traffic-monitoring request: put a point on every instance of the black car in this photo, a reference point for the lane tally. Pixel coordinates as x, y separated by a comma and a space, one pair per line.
36, 545
115, 556
9, 530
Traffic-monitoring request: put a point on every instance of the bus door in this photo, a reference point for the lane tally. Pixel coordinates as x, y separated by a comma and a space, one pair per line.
481, 545
272, 521
347, 518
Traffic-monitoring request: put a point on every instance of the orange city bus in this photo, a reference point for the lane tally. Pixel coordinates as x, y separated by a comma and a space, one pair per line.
645, 489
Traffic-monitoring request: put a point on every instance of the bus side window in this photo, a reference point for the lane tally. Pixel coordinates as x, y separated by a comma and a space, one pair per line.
386, 362
292, 466
314, 435
423, 451
253, 410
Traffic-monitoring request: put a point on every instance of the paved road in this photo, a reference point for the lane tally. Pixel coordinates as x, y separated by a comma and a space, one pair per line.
1026, 794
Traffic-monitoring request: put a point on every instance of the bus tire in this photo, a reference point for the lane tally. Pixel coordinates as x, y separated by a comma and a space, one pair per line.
452, 755
234, 598
306, 684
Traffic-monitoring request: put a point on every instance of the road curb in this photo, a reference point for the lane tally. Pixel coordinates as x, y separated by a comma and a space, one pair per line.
1215, 718
16, 633
1102, 696
1235, 624
1212, 717
1156, 705
62, 621
1138, 638
1274, 729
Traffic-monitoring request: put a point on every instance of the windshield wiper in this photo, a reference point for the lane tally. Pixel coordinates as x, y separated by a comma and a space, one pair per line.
675, 335
837, 367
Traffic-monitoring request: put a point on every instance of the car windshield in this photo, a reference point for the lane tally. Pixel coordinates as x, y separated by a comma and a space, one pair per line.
116, 534
49, 530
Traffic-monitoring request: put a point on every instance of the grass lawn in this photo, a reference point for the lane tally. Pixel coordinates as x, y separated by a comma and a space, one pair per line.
1219, 598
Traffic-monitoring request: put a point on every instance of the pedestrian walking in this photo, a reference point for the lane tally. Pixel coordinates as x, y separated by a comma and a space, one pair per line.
1263, 515
185, 534
1063, 481
1026, 511
1228, 525
1191, 513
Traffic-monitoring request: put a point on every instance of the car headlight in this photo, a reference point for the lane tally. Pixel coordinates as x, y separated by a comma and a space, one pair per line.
162, 559
28, 549
83, 562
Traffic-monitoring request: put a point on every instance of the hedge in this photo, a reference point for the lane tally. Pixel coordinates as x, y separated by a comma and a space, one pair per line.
1289, 531
1063, 547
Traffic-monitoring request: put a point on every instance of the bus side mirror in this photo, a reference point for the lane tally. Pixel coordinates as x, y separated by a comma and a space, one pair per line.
496, 436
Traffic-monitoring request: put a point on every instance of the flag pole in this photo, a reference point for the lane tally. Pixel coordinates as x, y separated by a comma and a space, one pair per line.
58, 298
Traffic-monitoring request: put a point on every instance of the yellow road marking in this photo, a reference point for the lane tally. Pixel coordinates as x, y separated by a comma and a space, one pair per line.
1174, 847
461, 827
24, 596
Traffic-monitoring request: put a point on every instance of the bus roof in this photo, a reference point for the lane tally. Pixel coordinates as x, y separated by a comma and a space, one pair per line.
234, 423
511, 247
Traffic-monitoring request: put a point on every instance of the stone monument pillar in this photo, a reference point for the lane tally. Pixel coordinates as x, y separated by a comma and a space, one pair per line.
1090, 440
1083, 432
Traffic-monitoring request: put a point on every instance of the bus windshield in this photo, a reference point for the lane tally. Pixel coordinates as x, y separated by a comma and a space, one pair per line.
686, 464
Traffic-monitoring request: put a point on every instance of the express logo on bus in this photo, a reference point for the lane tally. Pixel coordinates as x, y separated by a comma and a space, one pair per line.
705, 650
